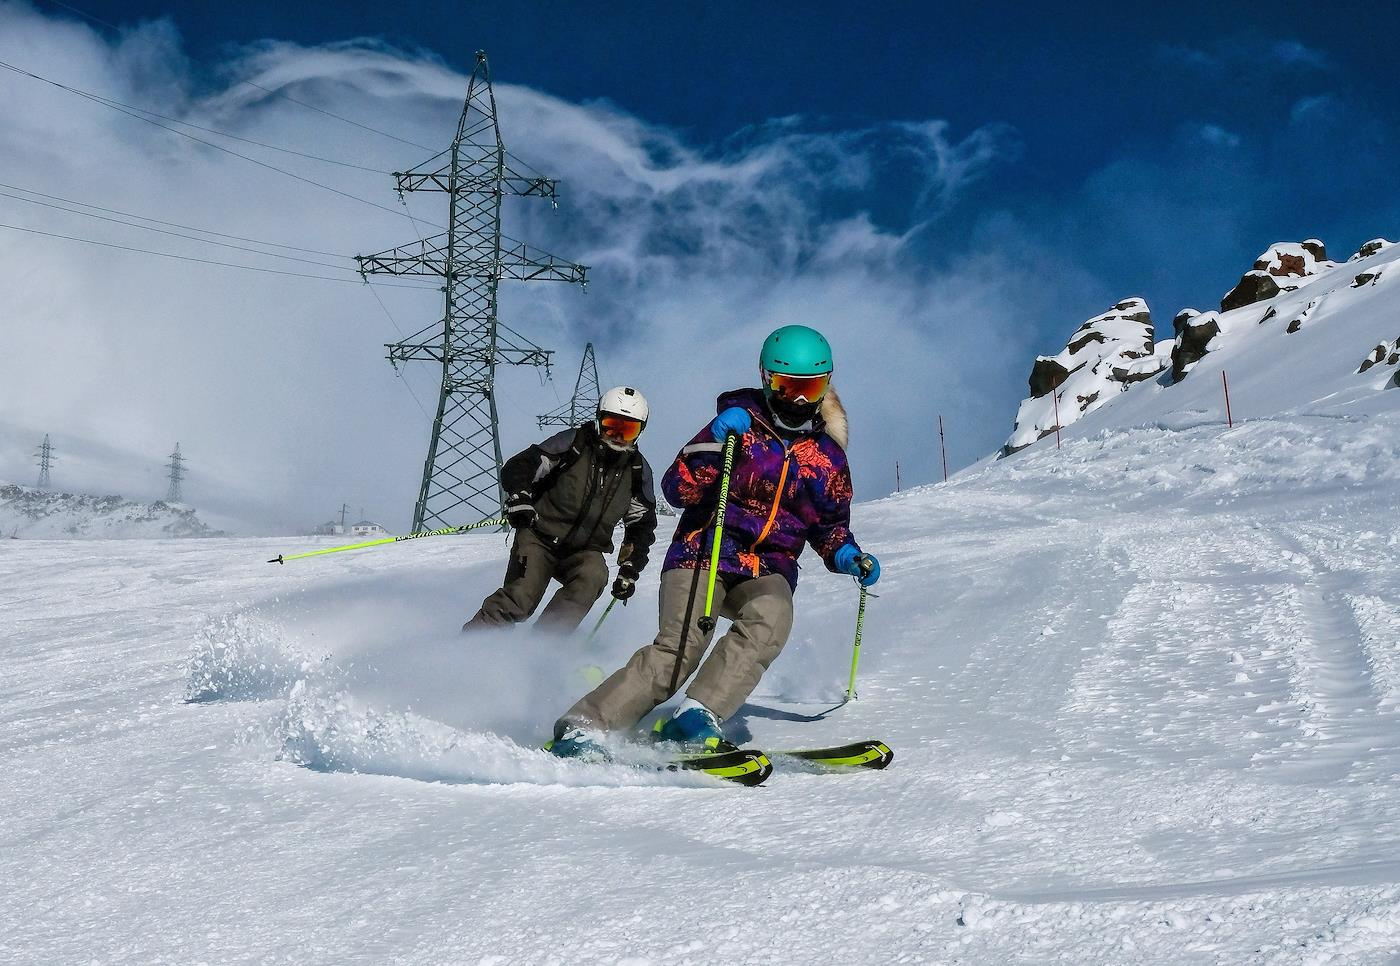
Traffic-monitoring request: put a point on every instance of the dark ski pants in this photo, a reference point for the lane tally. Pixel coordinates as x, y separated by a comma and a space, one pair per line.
761, 611
533, 564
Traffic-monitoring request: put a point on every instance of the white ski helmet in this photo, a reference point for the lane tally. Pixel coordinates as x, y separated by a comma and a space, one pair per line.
628, 411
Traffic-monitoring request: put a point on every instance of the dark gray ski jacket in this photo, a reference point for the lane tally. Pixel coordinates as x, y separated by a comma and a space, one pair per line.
581, 489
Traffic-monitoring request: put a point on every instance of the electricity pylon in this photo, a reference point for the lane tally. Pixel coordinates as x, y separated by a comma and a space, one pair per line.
584, 404
46, 458
461, 476
177, 474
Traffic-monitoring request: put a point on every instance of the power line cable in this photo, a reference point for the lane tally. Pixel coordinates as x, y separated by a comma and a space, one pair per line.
397, 370
207, 261
286, 97
81, 13
171, 224
321, 110
114, 103
218, 147
312, 107
177, 234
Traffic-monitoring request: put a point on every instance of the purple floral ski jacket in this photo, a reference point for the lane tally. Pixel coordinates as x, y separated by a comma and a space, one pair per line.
783, 493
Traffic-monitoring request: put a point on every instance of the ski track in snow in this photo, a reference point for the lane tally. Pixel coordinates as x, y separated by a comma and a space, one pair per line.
1142, 713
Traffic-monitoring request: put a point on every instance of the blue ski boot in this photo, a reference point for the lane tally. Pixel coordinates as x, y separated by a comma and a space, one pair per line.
579, 744
693, 724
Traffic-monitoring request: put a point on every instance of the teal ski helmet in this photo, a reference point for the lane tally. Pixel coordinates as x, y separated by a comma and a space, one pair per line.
796, 349
796, 368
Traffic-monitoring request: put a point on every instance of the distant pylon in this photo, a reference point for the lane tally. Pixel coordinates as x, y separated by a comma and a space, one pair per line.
177, 474
46, 457
584, 404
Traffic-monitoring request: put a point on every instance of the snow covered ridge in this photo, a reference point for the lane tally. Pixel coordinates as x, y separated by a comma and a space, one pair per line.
1105, 356
27, 512
1298, 286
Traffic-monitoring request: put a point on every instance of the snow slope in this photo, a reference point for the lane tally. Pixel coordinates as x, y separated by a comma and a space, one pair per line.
1143, 694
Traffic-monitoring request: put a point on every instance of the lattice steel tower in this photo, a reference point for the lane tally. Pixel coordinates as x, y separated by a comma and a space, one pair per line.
584, 404
461, 476
46, 458
177, 474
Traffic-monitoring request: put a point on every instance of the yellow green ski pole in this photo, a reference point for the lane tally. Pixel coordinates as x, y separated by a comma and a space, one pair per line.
855, 651
707, 623
284, 557
599, 626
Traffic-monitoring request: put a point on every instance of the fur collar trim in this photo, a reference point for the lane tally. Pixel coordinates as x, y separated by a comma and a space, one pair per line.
834, 416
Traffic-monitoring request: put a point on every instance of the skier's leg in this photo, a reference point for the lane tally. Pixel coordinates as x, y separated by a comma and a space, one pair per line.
527, 578
645, 682
761, 610
585, 577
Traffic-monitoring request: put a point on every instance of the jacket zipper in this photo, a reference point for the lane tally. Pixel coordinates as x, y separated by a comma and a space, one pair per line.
772, 513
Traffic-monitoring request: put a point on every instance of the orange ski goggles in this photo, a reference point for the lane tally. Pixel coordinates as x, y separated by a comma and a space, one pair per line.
619, 429
792, 388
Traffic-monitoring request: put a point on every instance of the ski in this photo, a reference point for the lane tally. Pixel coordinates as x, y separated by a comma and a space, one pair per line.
744, 766
857, 754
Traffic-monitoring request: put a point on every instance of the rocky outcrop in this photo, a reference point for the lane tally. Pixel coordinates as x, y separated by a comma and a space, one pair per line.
1280, 269
1385, 354
1373, 247
1368, 278
1194, 332
1301, 288
1315, 247
1255, 286
1102, 358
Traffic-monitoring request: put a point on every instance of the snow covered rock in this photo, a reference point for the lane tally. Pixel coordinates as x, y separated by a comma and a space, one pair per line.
29, 512
1193, 334
1385, 355
1256, 286
1105, 355
1373, 247
1277, 270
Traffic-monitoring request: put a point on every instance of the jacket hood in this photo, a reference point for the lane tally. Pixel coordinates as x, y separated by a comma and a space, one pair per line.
831, 418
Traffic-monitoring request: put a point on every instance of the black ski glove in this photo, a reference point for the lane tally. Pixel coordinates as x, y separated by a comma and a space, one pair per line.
521, 517
626, 583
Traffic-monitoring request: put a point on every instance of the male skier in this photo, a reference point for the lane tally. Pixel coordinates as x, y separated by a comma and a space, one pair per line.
565, 496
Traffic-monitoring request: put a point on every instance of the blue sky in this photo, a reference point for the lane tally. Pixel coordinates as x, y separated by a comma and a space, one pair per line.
946, 191
1213, 113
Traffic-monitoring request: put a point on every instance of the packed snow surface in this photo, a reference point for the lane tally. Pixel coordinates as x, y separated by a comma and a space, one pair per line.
1144, 695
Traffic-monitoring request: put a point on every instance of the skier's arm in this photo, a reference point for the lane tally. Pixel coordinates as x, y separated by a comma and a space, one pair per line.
693, 479
638, 525
523, 470
832, 530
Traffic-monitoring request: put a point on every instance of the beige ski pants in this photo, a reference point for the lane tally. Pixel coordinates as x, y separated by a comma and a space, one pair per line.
761, 611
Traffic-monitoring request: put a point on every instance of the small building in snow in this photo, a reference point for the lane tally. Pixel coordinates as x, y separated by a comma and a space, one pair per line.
366, 529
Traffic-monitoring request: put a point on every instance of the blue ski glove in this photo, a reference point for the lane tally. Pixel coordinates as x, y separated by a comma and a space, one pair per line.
735, 420
862, 566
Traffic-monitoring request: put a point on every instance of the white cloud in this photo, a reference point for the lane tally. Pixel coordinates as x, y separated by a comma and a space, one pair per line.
1296, 53
1215, 135
277, 387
